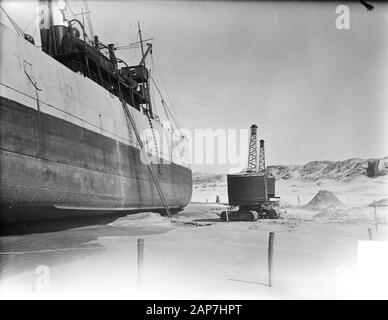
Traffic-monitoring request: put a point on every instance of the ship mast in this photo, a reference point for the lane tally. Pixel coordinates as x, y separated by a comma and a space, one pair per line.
141, 44
142, 62
91, 33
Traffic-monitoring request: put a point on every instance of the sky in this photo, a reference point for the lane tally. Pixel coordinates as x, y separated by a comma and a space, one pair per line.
315, 92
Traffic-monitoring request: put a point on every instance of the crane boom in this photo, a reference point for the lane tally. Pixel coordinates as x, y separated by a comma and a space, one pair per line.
149, 50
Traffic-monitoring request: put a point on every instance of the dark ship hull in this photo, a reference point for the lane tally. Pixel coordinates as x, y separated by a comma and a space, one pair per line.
65, 148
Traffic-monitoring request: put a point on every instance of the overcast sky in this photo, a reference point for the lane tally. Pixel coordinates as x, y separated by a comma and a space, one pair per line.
316, 93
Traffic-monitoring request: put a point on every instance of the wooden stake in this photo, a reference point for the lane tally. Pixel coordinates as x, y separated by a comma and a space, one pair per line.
376, 221
140, 258
370, 234
270, 257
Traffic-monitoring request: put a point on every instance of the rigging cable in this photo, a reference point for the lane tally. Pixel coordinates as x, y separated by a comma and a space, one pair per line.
172, 109
102, 29
67, 4
29, 24
18, 30
162, 99
168, 109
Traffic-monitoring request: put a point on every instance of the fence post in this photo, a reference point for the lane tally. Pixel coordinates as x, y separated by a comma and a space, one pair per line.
370, 234
376, 221
270, 257
140, 258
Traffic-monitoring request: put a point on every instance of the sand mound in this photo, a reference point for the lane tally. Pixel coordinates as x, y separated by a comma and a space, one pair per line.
335, 214
382, 202
141, 220
200, 212
324, 199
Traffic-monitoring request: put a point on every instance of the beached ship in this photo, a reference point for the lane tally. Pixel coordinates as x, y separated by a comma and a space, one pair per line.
71, 121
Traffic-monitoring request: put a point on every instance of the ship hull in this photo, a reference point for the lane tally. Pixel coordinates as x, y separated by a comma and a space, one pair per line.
53, 168
67, 149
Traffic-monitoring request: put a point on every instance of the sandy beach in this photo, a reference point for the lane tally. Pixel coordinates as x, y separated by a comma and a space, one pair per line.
196, 256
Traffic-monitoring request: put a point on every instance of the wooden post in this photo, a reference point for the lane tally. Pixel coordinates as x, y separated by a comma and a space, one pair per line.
298, 200
376, 221
140, 258
270, 257
227, 215
370, 234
